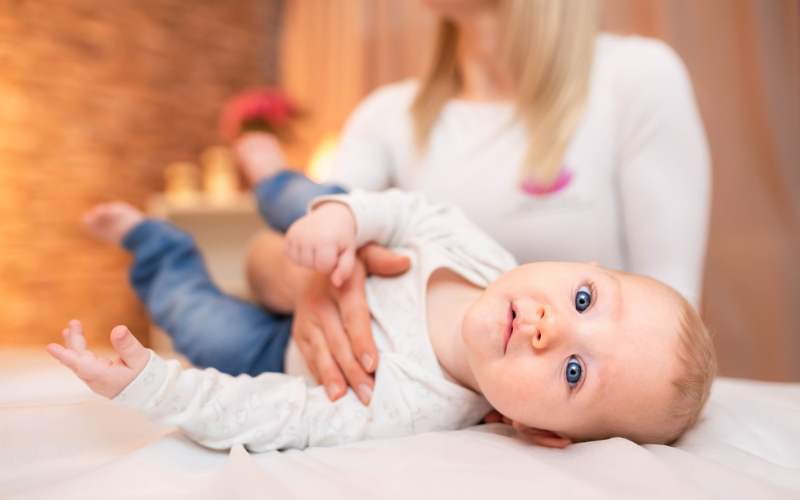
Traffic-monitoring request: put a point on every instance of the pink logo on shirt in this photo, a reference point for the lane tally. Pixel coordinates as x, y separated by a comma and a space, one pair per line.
532, 187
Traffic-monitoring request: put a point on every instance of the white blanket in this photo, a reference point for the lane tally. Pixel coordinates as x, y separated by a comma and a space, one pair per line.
58, 440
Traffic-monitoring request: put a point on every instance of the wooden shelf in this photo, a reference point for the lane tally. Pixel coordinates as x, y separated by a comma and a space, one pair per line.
164, 206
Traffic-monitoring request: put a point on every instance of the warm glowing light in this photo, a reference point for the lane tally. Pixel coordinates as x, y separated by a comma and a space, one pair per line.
322, 158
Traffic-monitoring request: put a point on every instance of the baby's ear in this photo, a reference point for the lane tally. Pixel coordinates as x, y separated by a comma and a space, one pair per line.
548, 439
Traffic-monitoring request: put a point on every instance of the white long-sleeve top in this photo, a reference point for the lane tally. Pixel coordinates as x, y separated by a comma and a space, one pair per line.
640, 193
277, 411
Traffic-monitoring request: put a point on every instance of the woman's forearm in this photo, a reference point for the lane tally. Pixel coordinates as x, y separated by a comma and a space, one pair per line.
272, 277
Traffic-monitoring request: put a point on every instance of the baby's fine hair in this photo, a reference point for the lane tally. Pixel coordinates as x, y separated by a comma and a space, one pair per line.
692, 386
698, 368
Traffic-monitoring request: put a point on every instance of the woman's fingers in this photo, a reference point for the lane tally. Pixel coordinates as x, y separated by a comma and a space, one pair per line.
307, 351
352, 302
130, 351
307, 331
325, 339
381, 261
340, 348
332, 378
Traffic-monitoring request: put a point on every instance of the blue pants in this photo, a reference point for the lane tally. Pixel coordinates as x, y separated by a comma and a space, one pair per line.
211, 328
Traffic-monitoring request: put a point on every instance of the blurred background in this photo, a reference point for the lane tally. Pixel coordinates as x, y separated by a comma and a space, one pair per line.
98, 98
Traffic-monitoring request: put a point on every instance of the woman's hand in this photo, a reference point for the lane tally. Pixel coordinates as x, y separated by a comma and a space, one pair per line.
332, 324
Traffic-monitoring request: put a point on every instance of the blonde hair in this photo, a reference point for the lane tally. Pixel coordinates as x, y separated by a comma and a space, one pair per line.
548, 46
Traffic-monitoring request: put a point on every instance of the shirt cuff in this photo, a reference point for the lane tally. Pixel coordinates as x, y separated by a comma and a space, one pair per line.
146, 385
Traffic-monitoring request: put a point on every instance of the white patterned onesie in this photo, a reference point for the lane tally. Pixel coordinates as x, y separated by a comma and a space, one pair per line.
277, 411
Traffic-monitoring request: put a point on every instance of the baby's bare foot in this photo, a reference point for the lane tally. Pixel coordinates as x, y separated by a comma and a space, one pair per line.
112, 221
260, 156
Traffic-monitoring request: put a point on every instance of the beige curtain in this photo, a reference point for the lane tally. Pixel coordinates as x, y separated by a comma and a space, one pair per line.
744, 58
333, 53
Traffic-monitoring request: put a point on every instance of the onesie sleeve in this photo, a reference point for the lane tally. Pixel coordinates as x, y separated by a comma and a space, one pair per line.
395, 218
269, 412
665, 170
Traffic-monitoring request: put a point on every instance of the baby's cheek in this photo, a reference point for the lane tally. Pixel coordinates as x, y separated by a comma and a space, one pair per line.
473, 332
511, 395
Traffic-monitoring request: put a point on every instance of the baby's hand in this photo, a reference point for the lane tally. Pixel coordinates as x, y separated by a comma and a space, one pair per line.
103, 376
325, 240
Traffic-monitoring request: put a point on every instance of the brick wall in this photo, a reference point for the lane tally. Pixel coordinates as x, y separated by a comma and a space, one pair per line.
96, 97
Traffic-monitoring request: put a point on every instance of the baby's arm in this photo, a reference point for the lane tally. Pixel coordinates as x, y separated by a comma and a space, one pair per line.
268, 412
325, 240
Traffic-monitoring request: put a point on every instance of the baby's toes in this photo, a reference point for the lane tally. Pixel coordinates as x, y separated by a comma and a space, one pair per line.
95, 221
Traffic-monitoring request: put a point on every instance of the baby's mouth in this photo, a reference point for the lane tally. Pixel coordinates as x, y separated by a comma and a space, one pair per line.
509, 327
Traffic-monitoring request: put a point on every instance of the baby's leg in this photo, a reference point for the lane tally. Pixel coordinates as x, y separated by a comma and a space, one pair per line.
110, 222
259, 156
282, 193
211, 328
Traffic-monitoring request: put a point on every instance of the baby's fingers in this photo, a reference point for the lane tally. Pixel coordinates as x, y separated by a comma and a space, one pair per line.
307, 256
293, 252
74, 337
67, 357
132, 353
344, 268
325, 259
86, 365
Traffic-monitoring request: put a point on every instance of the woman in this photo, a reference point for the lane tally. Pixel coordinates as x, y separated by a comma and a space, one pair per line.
561, 143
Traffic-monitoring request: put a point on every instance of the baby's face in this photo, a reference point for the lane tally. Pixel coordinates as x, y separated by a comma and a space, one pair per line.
573, 348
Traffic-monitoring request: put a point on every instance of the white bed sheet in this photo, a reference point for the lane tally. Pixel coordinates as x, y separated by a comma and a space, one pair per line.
58, 440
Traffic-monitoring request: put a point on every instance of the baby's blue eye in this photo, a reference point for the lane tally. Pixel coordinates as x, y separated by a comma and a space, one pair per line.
583, 299
573, 372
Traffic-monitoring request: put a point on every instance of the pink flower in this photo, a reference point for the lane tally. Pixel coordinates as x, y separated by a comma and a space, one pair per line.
267, 107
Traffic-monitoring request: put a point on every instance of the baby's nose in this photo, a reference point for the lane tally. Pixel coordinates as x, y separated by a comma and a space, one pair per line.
546, 328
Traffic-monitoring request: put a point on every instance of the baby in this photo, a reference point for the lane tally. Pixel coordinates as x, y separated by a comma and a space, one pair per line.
566, 352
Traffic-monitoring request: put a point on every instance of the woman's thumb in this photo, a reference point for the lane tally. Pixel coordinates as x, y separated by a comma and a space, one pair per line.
381, 261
